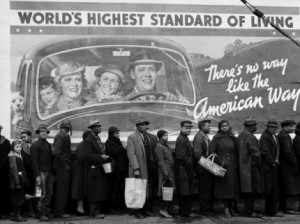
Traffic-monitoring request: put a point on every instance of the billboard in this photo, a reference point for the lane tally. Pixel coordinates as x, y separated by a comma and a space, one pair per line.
163, 62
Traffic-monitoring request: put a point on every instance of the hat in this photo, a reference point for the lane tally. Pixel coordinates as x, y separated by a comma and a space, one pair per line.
68, 68
143, 57
186, 123
66, 124
113, 129
139, 122
94, 122
287, 123
26, 132
42, 127
272, 122
1, 127
250, 121
111, 68
161, 133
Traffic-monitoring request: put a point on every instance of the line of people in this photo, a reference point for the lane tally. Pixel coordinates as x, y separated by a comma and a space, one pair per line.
268, 167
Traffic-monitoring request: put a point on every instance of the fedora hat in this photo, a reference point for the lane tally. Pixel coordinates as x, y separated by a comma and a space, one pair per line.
111, 68
93, 123
272, 122
42, 127
143, 57
250, 121
66, 124
287, 122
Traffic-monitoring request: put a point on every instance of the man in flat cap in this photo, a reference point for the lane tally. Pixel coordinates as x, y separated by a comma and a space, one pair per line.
143, 70
5, 148
96, 183
62, 165
201, 146
184, 169
269, 149
289, 173
41, 161
249, 165
143, 163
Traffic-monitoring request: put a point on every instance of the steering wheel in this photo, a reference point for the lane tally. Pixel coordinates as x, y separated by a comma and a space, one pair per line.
148, 94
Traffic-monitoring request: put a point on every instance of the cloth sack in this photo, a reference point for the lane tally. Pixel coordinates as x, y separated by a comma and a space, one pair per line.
135, 192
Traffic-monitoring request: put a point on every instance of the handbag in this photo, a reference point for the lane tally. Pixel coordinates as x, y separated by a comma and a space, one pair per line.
209, 164
135, 192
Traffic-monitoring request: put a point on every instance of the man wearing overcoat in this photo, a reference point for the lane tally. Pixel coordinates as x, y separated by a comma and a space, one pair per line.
143, 163
184, 169
249, 165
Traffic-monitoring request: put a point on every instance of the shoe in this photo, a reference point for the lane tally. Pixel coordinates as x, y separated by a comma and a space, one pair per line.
99, 216
63, 216
291, 212
165, 214
206, 213
148, 214
18, 219
232, 212
44, 218
279, 214
254, 215
139, 216
31, 215
227, 213
78, 213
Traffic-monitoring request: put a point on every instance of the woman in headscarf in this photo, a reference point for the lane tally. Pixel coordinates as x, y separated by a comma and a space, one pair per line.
224, 144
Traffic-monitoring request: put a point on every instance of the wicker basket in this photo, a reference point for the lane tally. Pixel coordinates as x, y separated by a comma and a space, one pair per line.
208, 163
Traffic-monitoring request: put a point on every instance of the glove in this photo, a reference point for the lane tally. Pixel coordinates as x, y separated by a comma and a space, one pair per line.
167, 177
136, 174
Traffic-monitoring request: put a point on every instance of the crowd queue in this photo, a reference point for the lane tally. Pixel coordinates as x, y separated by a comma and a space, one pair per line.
32, 172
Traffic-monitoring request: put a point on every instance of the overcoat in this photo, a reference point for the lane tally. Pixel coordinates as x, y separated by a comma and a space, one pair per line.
249, 162
62, 151
96, 185
201, 145
165, 164
269, 150
77, 174
30, 188
296, 144
225, 146
184, 165
137, 159
289, 172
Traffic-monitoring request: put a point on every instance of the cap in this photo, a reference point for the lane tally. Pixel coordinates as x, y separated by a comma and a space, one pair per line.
287, 123
42, 127
111, 68
113, 129
94, 122
139, 122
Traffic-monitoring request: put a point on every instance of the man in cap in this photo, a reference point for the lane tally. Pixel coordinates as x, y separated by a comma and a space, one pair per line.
185, 171
62, 165
5, 148
143, 163
289, 174
96, 183
143, 70
249, 165
201, 145
41, 161
269, 149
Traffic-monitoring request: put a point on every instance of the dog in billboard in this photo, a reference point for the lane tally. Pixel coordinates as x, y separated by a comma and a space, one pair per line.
17, 107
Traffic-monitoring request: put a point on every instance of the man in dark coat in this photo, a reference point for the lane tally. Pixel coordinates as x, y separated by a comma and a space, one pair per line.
201, 145
289, 174
269, 149
249, 165
185, 171
41, 161
96, 184
5, 148
62, 167
143, 163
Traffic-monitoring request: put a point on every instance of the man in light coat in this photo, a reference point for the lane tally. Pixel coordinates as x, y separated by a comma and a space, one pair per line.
249, 165
143, 163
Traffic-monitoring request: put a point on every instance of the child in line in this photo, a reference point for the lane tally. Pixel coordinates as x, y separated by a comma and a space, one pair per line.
17, 180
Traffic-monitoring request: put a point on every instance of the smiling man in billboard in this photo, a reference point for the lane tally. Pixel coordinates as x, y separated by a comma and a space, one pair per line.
143, 70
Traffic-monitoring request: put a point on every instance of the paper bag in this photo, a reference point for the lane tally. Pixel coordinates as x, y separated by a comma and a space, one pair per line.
135, 192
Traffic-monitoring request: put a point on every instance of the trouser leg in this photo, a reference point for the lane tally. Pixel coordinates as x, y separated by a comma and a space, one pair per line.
61, 190
249, 203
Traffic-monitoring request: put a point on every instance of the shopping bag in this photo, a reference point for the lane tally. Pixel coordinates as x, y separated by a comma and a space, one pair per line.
208, 163
135, 192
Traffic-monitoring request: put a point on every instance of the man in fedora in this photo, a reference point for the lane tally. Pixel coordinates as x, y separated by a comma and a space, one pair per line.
289, 173
41, 160
143, 163
201, 146
185, 171
96, 183
62, 165
269, 149
143, 70
249, 165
